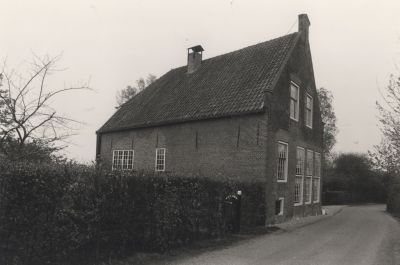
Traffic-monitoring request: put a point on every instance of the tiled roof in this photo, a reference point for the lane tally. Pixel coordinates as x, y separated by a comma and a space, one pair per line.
225, 85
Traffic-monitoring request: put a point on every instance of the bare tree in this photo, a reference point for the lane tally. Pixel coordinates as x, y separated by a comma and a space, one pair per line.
130, 91
26, 114
386, 155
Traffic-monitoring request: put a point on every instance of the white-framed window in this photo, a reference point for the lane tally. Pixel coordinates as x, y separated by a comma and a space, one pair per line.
282, 162
299, 178
307, 189
279, 205
317, 178
122, 159
309, 166
160, 159
309, 111
294, 101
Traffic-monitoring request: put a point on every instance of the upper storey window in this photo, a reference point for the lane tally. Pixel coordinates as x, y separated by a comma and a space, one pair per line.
309, 111
294, 101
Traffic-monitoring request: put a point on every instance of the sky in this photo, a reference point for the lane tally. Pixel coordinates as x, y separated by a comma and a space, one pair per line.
355, 46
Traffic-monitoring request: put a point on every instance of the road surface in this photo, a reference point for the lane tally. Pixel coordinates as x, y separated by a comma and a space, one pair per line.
356, 235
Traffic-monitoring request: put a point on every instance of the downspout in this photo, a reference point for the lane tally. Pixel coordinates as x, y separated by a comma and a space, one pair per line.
98, 148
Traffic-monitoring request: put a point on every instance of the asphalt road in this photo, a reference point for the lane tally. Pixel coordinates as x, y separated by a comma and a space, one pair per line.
356, 235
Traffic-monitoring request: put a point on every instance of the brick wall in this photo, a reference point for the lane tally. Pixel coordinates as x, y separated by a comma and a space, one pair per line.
231, 147
282, 128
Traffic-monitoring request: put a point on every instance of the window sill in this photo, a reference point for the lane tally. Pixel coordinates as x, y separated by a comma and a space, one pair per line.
298, 204
307, 203
281, 181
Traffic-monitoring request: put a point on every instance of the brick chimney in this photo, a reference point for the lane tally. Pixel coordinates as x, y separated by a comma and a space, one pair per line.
195, 55
304, 24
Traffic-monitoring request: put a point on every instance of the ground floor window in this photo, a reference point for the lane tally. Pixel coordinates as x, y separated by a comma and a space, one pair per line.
307, 189
282, 162
298, 190
316, 189
279, 204
160, 159
122, 159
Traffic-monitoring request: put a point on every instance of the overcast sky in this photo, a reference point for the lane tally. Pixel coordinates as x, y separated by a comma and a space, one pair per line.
354, 45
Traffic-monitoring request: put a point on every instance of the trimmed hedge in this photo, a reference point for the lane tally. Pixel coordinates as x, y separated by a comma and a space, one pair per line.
72, 214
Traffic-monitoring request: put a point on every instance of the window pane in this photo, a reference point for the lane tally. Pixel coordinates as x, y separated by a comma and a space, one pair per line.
316, 189
294, 101
309, 163
292, 109
307, 189
317, 165
309, 110
308, 102
294, 92
115, 159
298, 190
300, 161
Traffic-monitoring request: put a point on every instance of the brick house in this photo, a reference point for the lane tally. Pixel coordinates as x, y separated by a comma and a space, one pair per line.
251, 114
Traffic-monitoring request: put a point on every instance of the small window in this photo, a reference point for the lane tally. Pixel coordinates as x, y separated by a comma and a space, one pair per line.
279, 204
294, 101
282, 162
307, 189
160, 159
309, 111
122, 159
309, 169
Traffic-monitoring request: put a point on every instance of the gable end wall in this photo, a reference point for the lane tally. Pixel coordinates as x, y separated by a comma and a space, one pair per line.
282, 128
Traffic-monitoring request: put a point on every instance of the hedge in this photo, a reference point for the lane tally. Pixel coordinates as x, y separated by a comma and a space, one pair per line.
74, 214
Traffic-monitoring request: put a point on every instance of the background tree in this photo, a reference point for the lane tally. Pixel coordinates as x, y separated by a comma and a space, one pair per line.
29, 126
129, 92
386, 155
353, 179
329, 118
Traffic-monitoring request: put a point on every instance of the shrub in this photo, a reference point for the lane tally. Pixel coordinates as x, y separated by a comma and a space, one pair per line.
74, 214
